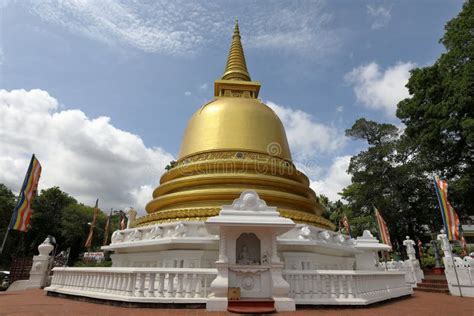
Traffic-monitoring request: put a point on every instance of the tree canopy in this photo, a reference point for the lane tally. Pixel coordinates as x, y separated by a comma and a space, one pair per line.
54, 213
395, 172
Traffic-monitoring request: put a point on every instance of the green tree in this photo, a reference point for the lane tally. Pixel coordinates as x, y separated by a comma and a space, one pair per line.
46, 219
7, 205
384, 177
335, 211
439, 115
75, 226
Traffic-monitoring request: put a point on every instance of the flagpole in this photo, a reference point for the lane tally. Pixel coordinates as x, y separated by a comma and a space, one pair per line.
4, 240
447, 228
455, 270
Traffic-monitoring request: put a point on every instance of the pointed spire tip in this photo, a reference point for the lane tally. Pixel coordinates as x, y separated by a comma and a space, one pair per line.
236, 68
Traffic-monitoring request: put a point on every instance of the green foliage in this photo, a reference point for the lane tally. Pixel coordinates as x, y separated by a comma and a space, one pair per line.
395, 172
335, 211
428, 262
83, 264
439, 115
384, 178
75, 228
7, 205
46, 219
54, 213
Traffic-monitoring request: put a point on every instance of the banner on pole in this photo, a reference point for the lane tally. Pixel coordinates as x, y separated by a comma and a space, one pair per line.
22, 214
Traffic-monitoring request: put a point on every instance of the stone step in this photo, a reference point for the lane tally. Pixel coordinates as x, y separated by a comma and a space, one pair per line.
251, 306
428, 280
434, 290
432, 285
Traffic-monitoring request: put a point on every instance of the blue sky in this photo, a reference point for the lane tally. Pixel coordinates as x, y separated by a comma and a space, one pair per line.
106, 87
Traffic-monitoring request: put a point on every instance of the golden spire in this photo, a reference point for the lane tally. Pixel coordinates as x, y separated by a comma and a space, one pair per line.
236, 68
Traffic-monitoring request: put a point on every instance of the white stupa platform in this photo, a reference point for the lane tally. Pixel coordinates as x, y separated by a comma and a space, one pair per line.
249, 246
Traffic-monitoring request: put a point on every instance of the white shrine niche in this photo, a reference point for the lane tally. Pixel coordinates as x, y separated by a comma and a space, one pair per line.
248, 249
248, 256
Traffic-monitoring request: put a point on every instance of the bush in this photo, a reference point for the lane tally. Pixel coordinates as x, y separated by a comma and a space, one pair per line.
91, 264
428, 262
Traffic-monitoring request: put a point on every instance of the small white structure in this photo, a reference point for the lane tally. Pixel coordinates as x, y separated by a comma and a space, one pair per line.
459, 272
367, 258
39, 272
248, 256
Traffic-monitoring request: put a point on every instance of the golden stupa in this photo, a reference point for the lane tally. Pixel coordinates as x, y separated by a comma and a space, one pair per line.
231, 144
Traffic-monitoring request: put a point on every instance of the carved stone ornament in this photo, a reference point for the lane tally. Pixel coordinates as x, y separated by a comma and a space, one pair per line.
155, 232
117, 237
136, 235
324, 235
304, 233
249, 201
180, 230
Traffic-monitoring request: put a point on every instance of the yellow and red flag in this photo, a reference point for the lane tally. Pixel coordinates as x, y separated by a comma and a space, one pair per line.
450, 218
22, 214
383, 229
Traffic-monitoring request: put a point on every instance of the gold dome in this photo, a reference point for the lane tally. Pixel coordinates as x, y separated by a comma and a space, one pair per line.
232, 144
241, 124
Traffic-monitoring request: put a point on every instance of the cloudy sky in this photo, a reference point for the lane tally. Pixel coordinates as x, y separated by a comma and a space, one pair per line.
101, 91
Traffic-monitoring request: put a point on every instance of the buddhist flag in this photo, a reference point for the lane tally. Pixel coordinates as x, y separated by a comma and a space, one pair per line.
450, 218
383, 229
22, 213
91, 230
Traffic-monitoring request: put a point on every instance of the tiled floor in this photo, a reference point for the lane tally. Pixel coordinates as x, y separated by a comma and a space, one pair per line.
35, 302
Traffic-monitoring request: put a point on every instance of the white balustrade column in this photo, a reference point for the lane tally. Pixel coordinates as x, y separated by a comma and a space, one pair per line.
189, 285
332, 282
151, 286
170, 287
131, 278
341, 286
141, 285
179, 291
198, 286
161, 285
350, 291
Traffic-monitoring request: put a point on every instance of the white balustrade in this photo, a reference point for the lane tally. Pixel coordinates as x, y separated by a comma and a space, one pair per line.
344, 287
171, 285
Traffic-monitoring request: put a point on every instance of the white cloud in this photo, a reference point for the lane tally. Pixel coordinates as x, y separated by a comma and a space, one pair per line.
380, 90
185, 27
87, 158
203, 86
335, 179
164, 27
304, 28
340, 109
306, 137
187, 93
380, 16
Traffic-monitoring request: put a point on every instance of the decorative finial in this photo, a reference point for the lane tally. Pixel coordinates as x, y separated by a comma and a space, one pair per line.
236, 28
236, 68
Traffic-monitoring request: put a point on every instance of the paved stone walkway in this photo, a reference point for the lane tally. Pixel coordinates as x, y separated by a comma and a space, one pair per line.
35, 302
